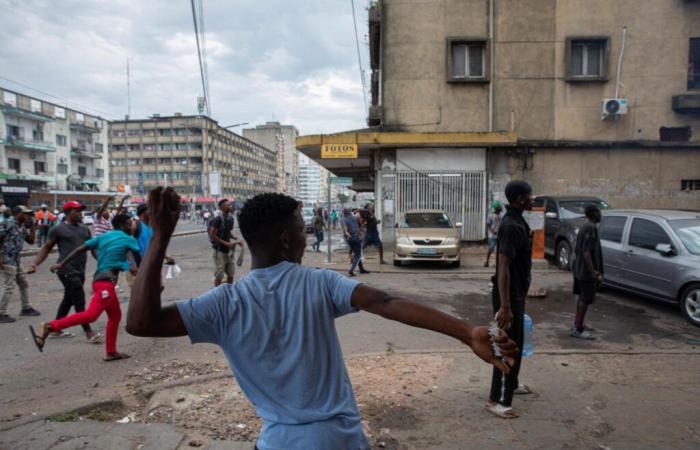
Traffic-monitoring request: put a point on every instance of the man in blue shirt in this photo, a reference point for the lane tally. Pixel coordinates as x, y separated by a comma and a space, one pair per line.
351, 231
112, 248
276, 325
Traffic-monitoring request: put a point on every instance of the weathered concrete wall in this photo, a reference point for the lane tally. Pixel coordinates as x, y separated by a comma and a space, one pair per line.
530, 91
627, 178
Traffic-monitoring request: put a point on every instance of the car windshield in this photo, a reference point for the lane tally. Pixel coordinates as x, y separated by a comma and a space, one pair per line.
426, 220
573, 209
688, 230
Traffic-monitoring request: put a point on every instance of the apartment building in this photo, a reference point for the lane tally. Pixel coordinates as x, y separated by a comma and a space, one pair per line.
281, 138
182, 151
46, 147
313, 182
586, 97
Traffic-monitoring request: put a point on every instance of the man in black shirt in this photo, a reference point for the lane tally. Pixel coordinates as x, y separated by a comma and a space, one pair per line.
513, 267
372, 232
587, 270
223, 243
69, 235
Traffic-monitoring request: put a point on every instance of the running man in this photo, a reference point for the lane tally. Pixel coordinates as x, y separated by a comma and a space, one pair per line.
372, 232
224, 243
351, 231
513, 266
587, 270
69, 235
112, 249
492, 224
276, 325
14, 232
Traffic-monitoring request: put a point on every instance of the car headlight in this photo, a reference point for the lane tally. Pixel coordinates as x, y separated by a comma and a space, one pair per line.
449, 241
403, 240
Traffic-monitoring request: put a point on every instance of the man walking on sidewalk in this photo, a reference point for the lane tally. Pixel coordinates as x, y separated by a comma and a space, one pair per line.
513, 267
276, 325
223, 243
69, 235
112, 249
14, 232
351, 230
319, 227
587, 270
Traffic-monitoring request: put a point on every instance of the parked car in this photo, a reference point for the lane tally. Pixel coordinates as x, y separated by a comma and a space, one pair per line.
654, 253
308, 214
562, 218
88, 218
427, 235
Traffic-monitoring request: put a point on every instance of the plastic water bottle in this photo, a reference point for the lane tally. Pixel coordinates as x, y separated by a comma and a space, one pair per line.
528, 348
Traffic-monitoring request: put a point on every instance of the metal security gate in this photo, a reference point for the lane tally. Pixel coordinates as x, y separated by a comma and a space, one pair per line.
461, 194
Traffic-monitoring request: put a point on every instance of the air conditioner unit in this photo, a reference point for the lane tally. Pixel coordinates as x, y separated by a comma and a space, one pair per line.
614, 107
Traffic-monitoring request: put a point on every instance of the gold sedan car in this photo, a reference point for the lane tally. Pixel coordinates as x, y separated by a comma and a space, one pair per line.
427, 235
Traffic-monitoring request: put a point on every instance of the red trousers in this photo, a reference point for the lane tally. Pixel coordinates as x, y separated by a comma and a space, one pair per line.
104, 298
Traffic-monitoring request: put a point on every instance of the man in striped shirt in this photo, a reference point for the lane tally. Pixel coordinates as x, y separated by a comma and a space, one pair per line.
103, 218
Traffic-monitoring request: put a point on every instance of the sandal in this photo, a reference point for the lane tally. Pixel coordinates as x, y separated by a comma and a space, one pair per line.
95, 339
60, 334
39, 341
503, 412
522, 389
116, 356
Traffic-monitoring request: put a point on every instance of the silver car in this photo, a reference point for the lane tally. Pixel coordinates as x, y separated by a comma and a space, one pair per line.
654, 253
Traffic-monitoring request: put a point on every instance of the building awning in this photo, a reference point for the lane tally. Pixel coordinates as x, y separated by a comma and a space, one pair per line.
360, 169
24, 114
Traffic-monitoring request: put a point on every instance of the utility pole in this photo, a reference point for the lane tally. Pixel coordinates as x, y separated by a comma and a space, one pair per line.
329, 226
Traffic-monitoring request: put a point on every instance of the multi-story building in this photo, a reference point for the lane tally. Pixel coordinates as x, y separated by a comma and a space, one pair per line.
181, 151
281, 138
313, 182
47, 147
587, 97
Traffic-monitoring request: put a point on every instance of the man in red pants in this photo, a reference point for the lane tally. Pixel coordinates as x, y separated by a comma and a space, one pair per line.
112, 249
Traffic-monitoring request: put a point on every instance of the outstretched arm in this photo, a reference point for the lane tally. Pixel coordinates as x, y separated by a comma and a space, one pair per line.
42, 255
120, 208
103, 207
415, 314
71, 256
146, 316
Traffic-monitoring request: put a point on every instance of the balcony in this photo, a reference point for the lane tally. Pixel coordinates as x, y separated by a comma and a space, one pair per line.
24, 114
81, 127
85, 151
45, 177
29, 144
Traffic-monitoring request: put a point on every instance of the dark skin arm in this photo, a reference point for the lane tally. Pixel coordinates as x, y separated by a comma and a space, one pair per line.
146, 316
42, 255
31, 237
121, 208
418, 315
103, 207
71, 256
217, 239
504, 316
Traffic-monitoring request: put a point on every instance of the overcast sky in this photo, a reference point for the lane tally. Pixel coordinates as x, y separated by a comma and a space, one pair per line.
292, 61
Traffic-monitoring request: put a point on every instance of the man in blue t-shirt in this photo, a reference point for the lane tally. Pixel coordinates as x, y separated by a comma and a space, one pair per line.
112, 249
276, 325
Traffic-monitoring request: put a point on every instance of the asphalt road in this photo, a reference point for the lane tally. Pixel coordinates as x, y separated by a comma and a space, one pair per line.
71, 371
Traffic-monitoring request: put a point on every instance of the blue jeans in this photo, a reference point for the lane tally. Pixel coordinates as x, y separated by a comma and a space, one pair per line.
319, 239
356, 247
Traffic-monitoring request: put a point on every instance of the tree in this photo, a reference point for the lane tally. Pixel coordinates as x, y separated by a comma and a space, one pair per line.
343, 198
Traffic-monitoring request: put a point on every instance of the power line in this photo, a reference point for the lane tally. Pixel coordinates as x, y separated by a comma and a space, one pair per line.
66, 103
199, 56
359, 55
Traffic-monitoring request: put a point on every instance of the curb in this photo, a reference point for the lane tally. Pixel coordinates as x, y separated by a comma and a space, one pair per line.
34, 251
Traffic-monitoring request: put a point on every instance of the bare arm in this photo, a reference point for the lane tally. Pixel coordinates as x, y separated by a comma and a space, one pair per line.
504, 316
418, 315
120, 208
42, 255
31, 237
146, 316
215, 238
71, 256
103, 207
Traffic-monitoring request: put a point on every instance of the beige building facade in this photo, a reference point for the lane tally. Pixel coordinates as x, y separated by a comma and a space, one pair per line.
468, 94
282, 139
182, 151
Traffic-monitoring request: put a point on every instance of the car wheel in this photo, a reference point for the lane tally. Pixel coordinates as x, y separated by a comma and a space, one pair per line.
563, 255
455, 264
397, 263
690, 304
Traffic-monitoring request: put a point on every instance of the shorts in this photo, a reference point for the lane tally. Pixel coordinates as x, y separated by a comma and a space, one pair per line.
586, 290
492, 241
223, 263
373, 239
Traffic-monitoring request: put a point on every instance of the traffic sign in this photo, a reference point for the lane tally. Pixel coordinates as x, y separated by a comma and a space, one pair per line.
341, 181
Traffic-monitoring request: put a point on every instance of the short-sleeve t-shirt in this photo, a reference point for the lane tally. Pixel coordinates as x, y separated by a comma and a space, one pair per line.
223, 226
352, 223
276, 328
587, 240
514, 241
70, 236
112, 248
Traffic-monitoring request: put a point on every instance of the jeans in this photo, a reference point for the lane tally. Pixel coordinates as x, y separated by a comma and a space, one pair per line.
356, 247
9, 275
319, 239
73, 296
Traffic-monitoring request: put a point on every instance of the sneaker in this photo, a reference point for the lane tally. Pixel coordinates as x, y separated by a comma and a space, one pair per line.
364, 271
29, 311
4, 318
351, 274
587, 328
582, 335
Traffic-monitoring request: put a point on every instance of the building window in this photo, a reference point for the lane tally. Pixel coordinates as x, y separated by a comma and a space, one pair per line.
9, 98
60, 140
79, 117
690, 185
99, 148
39, 167
694, 63
587, 59
99, 173
15, 132
59, 112
82, 171
62, 168
467, 60
14, 164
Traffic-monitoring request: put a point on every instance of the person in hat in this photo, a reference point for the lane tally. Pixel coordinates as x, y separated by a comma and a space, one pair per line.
112, 250
14, 232
69, 235
493, 223
44, 220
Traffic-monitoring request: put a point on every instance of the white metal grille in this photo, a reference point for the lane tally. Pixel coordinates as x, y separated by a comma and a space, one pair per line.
461, 194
